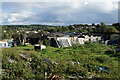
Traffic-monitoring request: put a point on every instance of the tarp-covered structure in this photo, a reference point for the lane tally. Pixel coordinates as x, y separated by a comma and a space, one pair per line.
60, 40
64, 41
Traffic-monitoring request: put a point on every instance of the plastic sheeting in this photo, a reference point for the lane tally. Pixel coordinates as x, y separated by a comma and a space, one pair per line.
64, 42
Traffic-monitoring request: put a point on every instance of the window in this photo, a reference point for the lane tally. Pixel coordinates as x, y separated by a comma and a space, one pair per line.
0, 44
4, 44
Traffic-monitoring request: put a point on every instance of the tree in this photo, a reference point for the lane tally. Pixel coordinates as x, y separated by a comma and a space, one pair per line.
93, 24
65, 28
75, 25
89, 30
112, 29
59, 29
102, 24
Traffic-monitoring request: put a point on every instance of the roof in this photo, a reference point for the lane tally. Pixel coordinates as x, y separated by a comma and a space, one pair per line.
9, 40
47, 34
60, 35
80, 36
3, 41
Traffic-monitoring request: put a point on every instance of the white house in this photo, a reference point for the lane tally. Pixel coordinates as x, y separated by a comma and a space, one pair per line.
3, 44
81, 40
74, 39
86, 37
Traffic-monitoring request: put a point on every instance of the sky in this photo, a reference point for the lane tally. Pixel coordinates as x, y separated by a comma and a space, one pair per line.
53, 12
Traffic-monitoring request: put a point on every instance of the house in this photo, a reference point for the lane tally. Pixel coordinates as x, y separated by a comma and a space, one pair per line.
4, 44
11, 43
92, 37
74, 37
67, 39
95, 38
77, 38
80, 40
86, 38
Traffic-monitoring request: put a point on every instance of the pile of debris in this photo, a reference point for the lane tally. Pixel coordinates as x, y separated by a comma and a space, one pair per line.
25, 56
102, 68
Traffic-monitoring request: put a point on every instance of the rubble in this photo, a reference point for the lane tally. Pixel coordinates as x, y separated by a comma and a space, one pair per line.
26, 56
11, 61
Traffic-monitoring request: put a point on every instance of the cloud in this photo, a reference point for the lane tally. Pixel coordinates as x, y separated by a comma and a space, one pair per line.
59, 0
59, 12
12, 19
9, 18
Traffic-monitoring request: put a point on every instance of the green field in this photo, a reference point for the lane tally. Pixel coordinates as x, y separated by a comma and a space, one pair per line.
89, 57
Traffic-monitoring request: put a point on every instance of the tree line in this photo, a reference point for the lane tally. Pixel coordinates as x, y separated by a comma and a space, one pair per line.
10, 30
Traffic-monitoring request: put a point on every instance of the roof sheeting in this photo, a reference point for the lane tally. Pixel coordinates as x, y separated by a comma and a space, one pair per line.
64, 42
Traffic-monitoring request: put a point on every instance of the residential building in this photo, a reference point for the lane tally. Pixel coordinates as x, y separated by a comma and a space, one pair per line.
4, 44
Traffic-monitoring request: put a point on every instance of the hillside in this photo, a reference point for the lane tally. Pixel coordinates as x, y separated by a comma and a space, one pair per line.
78, 60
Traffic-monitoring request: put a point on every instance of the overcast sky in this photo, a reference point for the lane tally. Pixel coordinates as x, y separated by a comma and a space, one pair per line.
59, 13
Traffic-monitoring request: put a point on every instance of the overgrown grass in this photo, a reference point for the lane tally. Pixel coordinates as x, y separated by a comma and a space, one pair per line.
88, 55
